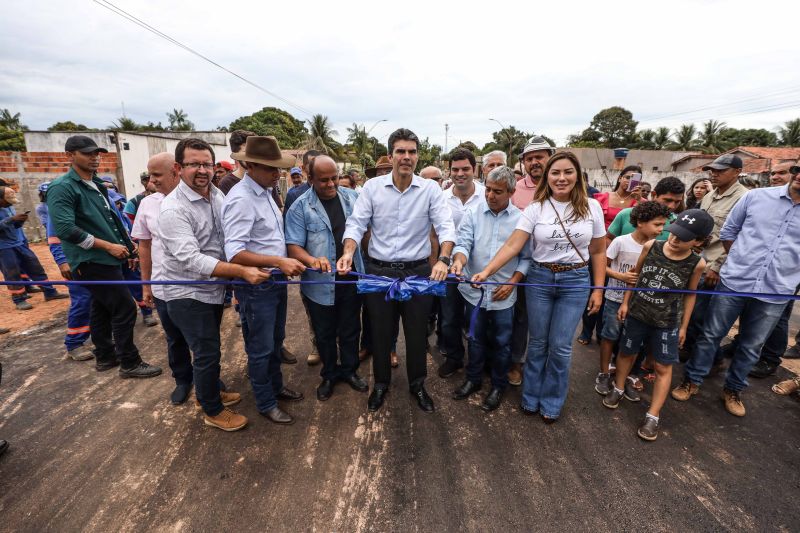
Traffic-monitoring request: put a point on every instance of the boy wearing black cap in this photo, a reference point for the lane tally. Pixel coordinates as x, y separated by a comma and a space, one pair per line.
661, 317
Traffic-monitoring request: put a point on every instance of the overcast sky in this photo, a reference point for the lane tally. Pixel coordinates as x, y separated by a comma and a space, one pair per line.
546, 67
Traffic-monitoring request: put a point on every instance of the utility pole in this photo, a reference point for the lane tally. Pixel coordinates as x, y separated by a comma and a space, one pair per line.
446, 131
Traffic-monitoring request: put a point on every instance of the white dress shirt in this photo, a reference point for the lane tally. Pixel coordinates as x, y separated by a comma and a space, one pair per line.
145, 226
457, 207
252, 221
400, 221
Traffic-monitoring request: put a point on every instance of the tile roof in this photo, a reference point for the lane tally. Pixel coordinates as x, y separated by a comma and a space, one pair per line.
779, 152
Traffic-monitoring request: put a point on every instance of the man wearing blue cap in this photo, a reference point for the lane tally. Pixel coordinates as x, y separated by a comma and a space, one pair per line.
296, 175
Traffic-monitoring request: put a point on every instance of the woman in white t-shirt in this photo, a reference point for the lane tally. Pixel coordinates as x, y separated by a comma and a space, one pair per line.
564, 229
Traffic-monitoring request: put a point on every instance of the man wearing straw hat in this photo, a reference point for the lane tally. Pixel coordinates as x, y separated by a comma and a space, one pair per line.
254, 236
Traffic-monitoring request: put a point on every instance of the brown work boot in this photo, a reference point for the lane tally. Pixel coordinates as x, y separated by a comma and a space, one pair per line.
313, 358
227, 420
515, 374
733, 402
685, 390
226, 397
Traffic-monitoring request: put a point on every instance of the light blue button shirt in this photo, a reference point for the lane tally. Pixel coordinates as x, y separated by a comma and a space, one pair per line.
765, 257
480, 236
308, 226
400, 221
252, 221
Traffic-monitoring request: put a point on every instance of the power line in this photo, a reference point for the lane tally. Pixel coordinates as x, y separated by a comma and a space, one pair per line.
131, 18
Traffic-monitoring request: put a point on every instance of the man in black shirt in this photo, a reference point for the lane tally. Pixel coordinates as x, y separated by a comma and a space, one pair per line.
315, 226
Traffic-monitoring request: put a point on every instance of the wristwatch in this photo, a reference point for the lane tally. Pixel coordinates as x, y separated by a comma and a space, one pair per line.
444, 259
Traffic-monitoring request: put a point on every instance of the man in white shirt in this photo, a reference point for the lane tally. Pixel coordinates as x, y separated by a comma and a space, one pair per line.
464, 194
400, 209
164, 177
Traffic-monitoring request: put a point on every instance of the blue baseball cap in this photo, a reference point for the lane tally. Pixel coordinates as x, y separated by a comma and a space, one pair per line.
295, 170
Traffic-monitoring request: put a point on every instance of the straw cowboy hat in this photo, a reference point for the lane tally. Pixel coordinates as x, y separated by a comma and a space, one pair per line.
264, 150
383, 163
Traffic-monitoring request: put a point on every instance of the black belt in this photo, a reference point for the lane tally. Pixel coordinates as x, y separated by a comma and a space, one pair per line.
398, 265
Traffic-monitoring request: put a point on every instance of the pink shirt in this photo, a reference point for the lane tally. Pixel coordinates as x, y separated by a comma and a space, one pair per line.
145, 226
523, 193
610, 212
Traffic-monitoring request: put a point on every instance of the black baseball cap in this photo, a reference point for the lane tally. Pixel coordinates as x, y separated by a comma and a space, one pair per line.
692, 224
83, 144
724, 162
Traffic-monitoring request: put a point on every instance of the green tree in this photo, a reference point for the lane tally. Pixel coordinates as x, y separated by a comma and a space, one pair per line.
614, 127
68, 125
289, 131
662, 138
429, 154
11, 140
686, 138
124, 124
588, 138
509, 140
11, 121
378, 148
320, 137
360, 144
179, 121
748, 137
710, 138
645, 139
789, 133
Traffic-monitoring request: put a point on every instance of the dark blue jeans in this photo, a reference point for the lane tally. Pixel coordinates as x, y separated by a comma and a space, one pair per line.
492, 332
264, 329
198, 323
756, 321
339, 321
16, 261
452, 317
178, 354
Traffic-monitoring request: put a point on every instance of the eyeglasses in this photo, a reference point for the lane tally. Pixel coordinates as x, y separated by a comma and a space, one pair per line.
195, 166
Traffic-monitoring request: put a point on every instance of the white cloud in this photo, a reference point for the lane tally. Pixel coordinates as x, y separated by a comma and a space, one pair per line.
546, 68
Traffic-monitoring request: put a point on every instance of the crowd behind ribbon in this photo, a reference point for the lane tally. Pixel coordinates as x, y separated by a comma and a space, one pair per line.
543, 226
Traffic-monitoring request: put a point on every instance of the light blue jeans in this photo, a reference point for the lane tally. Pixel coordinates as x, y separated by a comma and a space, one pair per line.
757, 319
553, 315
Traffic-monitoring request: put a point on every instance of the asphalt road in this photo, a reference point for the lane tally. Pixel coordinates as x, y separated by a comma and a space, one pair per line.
91, 452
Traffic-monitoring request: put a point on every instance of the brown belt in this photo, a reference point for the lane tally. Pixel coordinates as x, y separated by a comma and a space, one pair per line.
562, 267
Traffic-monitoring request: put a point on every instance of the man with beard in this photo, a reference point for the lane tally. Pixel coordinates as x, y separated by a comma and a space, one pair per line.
535, 155
96, 244
400, 209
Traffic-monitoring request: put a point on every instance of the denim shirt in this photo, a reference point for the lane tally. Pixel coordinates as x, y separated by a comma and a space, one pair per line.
308, 226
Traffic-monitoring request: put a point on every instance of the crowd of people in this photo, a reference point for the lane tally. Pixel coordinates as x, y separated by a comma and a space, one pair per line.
536, 252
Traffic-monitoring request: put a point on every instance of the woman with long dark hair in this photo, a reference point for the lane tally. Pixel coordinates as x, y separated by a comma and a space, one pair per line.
565, 232
695, 194
620, 198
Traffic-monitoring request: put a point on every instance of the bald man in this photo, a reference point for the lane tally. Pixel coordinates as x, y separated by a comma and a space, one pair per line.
780, 175
163, 179
432, 173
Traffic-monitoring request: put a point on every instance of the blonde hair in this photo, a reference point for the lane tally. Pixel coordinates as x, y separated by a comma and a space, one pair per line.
578, 197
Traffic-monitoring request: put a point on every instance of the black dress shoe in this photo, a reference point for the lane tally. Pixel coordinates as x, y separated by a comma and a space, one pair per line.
763, 369
376, 398
449, 367
287, 357
424, 401
102, 366
357, 383
142, 370
466, 390
492, 400
325, 390
290, 395
3, 446
279, 416
181, 393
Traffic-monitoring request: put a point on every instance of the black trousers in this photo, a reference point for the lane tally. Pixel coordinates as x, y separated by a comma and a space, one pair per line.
383, 316
178, 354
113, 315
340, 321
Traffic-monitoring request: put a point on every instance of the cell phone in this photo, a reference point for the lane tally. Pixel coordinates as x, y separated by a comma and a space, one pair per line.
635, 181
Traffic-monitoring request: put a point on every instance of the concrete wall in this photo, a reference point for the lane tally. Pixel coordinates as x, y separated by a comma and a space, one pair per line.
53, 141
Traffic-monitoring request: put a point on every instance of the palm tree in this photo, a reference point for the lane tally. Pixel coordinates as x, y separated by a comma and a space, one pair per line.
511, 141
710, 137
11, 122
360, 142
124, 124
686, 137
661, 139
320, 136
647, 139
179, 121
790, 133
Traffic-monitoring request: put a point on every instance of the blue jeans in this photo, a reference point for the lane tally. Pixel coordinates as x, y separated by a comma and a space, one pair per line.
756, 321
263, 308
553, 315
18, 260
198, 322
452, 317
492, 331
